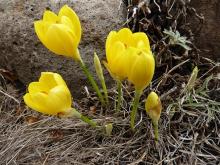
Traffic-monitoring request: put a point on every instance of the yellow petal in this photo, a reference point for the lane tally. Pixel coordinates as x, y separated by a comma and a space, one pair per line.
119, 66
140, 36
125, 36
35, 87
49, 16
110, 40
66, 21
116, 61
47, 104
41, 30
62, 94
131, 56
142, 71
47, 79
109, 70
59, 80
41, 101
116, 49
68, 12
57, 101
32, 104
61, 40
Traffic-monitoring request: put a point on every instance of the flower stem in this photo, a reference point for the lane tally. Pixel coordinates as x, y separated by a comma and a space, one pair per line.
104, 89
92, 81
156, 131
119, 86
78, 115
89, 121
135, 106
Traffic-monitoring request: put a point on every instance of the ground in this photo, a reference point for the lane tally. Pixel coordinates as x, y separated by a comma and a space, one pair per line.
190, 120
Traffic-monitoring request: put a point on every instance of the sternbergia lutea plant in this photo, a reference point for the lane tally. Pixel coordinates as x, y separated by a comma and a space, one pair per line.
61, 34
50, 95
129, 57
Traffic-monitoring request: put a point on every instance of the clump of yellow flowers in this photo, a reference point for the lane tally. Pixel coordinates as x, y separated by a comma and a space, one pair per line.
61, 34
128, 58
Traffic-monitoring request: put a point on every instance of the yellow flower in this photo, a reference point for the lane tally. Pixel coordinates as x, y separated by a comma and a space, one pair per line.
129, 56
140, 69
60, 33
50, 95
153, 107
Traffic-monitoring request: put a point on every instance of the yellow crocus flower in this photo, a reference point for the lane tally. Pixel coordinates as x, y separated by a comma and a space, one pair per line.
153, 108
129, 56
60, 33
50, 95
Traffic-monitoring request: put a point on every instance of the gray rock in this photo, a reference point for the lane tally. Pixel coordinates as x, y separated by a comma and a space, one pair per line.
208, 40
22, 52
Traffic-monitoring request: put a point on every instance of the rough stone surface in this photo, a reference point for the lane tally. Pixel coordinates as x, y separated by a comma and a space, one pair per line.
209, 38
22, 52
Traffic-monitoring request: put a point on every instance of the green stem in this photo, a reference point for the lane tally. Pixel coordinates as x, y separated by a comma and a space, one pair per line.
156, 131
105, 89
92, 81
119, 86
78, 115
135, 106
89, 121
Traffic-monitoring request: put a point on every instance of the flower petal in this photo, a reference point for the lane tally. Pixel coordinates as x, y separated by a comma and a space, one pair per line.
51, 17
68, 12
35, 87
32, 104
120, 66
115, 49
61, 40
140, 36
110, 40
59, 80
125, 36
131, 57
41, 28
62, 94
39, 102
142, 71
58, 100
47, 79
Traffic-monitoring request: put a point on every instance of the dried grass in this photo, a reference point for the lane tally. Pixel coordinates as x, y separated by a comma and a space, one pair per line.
189, 133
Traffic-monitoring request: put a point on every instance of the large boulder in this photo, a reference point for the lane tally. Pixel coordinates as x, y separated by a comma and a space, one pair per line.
22, 52
208, 40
